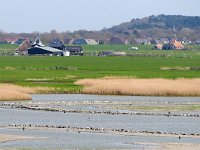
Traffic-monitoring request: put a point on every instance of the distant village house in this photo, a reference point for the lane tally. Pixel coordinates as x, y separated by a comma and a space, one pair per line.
84, 42
173, 45
116, 40
158, 46
58, 44
23, 48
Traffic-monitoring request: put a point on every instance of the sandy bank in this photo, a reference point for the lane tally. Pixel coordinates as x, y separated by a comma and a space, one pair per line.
168, 146
179, 146
141, 87
104, 130
7, 138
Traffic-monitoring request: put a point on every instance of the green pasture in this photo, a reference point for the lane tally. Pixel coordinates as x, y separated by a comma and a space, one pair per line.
62, 72
127, 48
7, 49
191, 107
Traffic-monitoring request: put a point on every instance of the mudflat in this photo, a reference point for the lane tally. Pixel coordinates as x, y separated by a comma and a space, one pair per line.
7, 138
179, 146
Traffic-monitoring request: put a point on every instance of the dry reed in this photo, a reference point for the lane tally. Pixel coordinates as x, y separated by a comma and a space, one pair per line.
15, 92
141, 87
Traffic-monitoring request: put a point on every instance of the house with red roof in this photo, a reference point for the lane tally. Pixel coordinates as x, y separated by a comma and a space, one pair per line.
173, 45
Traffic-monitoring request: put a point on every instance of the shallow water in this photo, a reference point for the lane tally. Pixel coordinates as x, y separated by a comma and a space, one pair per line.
142, 123
86, 97
63, 139
71, 140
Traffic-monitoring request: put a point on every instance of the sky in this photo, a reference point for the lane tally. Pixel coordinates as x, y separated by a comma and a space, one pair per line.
70, 15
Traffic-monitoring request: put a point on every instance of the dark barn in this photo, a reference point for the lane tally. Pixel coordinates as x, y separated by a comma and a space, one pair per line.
44, 50
58, 44
74, 50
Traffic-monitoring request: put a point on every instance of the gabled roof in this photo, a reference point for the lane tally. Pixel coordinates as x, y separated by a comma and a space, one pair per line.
73, 48
91, 42
37, 42
173, 44
159, 46
43, 50
56, 43
38, 45
116, 40
176, 44
50, 49
79, 41
24, 46
19, 41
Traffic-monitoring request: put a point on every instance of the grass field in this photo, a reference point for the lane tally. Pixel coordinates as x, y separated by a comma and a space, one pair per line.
89, 48
194, 107
7, 49
62, 72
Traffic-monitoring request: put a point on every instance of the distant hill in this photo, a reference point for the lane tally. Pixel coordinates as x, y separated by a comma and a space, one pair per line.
164, 26
156, 28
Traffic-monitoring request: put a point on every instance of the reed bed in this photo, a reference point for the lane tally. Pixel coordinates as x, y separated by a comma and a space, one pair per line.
141, 87
15, 92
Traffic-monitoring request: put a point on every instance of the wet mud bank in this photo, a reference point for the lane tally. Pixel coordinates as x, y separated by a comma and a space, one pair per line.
103, 130
38, 108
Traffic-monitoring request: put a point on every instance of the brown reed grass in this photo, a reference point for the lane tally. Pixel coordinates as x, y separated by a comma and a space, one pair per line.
141, 87
15, 92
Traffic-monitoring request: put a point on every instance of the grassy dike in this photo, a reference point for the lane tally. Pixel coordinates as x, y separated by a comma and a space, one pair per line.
58, 74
